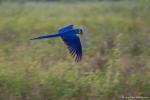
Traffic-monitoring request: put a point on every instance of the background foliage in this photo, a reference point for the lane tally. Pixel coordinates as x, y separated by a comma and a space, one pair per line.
116, 51
68, 0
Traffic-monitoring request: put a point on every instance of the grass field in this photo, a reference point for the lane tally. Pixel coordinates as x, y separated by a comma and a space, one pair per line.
116, 51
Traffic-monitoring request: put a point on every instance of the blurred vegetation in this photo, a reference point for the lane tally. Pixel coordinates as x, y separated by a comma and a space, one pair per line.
116, 59
23, 1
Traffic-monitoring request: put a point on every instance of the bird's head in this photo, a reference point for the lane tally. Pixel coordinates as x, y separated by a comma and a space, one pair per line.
78, 31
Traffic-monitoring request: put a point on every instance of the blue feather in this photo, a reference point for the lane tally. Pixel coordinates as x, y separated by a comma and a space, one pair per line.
66, 28
68, 35
46, 36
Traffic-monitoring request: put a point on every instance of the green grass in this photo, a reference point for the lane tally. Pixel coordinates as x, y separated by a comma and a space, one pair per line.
116, 56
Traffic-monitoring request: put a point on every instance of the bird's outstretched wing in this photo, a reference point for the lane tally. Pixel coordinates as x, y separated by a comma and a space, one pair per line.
74, 45
65, 28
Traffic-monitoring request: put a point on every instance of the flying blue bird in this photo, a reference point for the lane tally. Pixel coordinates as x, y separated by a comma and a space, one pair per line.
68, 35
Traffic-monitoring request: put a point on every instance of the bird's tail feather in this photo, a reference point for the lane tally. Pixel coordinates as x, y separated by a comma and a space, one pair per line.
46, 36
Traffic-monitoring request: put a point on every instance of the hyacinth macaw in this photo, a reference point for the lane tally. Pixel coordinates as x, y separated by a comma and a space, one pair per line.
68, 35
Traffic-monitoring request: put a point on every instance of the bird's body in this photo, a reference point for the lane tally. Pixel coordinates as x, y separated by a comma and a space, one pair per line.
68, 35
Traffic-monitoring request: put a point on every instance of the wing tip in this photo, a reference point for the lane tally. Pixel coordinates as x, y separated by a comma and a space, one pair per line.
78, 58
